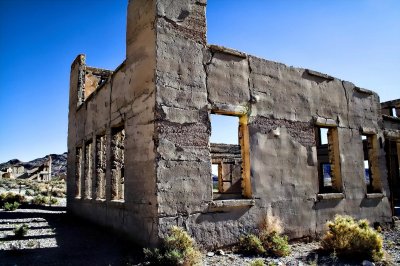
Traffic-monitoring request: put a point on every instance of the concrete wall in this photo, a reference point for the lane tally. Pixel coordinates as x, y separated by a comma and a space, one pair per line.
163, 95
125, 99
283, 104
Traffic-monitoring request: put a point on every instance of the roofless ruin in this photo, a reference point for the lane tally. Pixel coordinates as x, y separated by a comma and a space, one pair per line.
139, 154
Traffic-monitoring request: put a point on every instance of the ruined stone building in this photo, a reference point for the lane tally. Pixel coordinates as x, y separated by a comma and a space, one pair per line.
22, 170
139, 154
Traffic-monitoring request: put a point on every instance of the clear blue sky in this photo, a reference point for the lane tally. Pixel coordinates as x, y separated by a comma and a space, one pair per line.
355, 40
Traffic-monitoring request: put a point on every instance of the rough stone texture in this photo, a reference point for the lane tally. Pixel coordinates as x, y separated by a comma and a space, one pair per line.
117, 164
101, 167
163, 94
88, 171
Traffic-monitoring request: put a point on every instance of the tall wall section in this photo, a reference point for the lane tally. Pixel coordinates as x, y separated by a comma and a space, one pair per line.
283, 105
117, 118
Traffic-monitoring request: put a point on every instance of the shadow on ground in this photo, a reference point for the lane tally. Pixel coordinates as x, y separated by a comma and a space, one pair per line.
77, 242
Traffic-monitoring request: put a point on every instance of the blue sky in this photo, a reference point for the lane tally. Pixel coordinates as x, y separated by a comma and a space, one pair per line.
355, 40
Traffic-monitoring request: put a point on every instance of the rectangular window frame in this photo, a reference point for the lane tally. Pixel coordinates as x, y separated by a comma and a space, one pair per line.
88, 170
100, 182
370, 148
243, 135
117, 184
333, 153
78, 171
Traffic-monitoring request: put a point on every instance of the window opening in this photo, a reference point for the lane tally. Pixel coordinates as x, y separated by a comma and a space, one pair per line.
392, 148
88, 170
394, 112
328, 160
101, 164
371, 175
215, 175
118, 163
78, 172
227, 141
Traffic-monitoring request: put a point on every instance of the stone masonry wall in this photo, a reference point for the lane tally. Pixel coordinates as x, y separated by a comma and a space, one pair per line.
125, 99
163, 94
283, 104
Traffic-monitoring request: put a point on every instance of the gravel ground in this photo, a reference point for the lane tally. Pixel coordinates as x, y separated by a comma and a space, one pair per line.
310, 254
54, 238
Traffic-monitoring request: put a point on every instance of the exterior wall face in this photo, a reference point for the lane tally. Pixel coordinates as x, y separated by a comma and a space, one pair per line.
101, 101
391, 126
163, 96
284, 105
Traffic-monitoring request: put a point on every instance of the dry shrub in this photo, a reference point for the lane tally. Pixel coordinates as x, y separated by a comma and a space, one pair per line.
348, 237
178, 249
257, 262
11, 197
251, 244
11, 206
271, 225
21, 231
273, 241
268, 241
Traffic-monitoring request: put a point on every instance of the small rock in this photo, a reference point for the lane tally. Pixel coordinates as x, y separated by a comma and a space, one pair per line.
220, 252
367, 263
210, 254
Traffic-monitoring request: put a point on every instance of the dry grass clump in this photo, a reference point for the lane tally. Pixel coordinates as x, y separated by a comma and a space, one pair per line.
348, 237
257, 262
11, 206
11, 197
251, 244
268, 241
178, 249
271, 225
21, 231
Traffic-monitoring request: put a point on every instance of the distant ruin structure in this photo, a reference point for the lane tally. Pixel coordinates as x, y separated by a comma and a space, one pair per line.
21, 170
139, 154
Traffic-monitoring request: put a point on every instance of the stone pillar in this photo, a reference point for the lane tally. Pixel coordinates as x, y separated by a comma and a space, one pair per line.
183, 164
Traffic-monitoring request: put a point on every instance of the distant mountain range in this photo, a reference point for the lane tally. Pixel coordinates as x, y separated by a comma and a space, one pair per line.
58, 164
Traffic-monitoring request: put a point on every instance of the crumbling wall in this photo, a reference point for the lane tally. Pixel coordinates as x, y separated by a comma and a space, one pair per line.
88, 174
117, 163
100, 103
284, 105
163, 94
101, 167
182, 125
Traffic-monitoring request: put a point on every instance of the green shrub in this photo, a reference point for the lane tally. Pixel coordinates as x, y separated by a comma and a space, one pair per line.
277, 245
53, 201
251, 245
21, 231
11, 197
40, 200
268, 241
11, 206
29, 192
348, 237
178, 249
257, 262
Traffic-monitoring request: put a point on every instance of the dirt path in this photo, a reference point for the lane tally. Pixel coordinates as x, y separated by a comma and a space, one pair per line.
54, 238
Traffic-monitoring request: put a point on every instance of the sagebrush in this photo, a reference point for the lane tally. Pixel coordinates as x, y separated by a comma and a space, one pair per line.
257, 262
11, 197
178, 248
11, 206
268, 241
21, 230
348, 237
